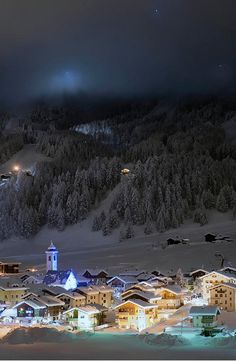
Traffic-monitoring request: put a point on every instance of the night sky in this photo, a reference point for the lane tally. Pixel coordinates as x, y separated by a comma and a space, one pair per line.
119, 47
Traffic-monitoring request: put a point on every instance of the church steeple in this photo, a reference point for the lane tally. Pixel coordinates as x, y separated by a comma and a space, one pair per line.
51, 258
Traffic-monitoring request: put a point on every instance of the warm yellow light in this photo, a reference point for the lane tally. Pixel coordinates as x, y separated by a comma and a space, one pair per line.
16, 168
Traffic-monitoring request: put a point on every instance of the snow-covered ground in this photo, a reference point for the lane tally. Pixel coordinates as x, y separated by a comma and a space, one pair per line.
25, 159
41, 343
80, 247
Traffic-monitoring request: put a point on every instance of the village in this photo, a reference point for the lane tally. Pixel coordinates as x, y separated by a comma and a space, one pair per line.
133, 301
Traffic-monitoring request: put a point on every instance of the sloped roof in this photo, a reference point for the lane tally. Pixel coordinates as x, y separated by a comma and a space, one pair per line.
10, 282
49, 301
90, 309
125, 279
227, 284
228, 275
198, 270
34, 303
73, 295
94, 272
145, 294
140, 303
173, 288
87, 290
57, 277
204, 311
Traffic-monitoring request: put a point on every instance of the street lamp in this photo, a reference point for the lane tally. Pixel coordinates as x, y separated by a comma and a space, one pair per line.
16, 168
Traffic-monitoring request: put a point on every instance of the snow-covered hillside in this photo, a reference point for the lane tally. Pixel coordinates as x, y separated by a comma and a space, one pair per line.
80, 247
94, 128
25, 159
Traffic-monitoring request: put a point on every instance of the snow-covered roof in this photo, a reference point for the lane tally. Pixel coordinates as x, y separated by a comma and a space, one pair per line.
228, 270
57, 277
173, 288
41, 289
8, 283
89, 290
124, 279
49, 301
34, 303
145, 294
89, 309
227, 284
102, 288
73, 295
204, 311
94, 272
198, 270
227, 275
139, 303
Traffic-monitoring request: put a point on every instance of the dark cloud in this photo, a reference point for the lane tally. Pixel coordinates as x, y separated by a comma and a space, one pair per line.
116, 46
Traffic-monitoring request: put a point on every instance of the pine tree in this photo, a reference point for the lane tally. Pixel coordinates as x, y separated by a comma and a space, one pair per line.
130, 231
106, 229
97, 224
148, 227
221, 204
180, 278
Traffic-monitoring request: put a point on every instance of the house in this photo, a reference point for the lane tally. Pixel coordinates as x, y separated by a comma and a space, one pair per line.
228, 270
28, 279
210, 237
136, 314
214, 278
204, 316
121, 283
198, 273
223, 296
30, 309
146, 296
101, 295
43, 290
95, 275
83, 281
11, 290
9, 267
125, 171
54, 306
171, 241
66, 279
133, 273
172, 297
85, 317
157, 273
72, 299
141, 286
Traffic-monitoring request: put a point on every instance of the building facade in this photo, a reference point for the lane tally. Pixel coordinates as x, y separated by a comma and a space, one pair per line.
223, 296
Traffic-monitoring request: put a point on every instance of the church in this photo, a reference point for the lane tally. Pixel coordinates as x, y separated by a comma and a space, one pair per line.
54, 277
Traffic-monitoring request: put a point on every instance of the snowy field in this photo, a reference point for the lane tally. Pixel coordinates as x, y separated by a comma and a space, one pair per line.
25, 159
80, 247
38, 343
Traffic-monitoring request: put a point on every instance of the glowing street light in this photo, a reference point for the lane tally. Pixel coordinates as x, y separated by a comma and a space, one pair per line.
16, 168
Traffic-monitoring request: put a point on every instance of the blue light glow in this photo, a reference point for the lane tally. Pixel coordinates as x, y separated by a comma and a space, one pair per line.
66, 81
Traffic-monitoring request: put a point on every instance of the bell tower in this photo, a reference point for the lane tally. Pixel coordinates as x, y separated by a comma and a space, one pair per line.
51, 258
